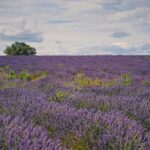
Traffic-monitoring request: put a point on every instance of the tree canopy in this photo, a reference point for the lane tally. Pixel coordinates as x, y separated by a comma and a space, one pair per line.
19, 48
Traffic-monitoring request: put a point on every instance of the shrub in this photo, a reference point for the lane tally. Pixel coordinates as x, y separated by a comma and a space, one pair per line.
19, 48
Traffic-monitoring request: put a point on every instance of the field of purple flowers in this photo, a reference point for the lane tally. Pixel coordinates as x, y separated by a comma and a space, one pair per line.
75, 103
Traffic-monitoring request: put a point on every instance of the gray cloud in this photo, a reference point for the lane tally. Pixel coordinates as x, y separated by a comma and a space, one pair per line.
116, 50
120, 34
145, 47
124, 5
26, 37
60, 21
135, 50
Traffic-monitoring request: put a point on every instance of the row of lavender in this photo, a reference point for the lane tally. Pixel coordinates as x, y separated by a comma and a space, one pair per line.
61, 111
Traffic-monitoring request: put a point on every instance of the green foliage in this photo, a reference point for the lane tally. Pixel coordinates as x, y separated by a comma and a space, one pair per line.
146, 123
92, 136
109, 83
52, 130
104, 107
127, 79
114, 143
4, 143
146, 83
5, 68
111, 144
2, 110
88, 142
74, 142
82, 104
7, 75
7, 85
19, 48
12, 75
24, 75
130, 115
59, 96
82, 80
96, 82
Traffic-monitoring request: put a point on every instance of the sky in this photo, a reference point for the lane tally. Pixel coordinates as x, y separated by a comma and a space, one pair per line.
77, 27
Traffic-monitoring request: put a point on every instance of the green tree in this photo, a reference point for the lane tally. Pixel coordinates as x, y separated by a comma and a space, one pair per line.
19, 48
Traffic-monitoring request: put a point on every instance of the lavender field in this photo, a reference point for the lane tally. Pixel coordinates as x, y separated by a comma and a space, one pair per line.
75, 103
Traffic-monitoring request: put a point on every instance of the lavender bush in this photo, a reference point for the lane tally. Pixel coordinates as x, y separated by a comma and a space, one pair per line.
75, 103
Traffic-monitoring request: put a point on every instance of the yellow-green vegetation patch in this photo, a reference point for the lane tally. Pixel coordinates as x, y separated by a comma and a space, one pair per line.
12, 75
7, 73
2, 110
25, 75
39, 75
81, 80
59, 96
127, 79
7, 85
104, 107
84, 81
3, 72
146, 83
8, 77
74, 142
89, 141
82, 104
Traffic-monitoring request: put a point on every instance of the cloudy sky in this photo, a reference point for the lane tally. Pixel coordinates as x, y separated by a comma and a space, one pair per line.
77, 27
